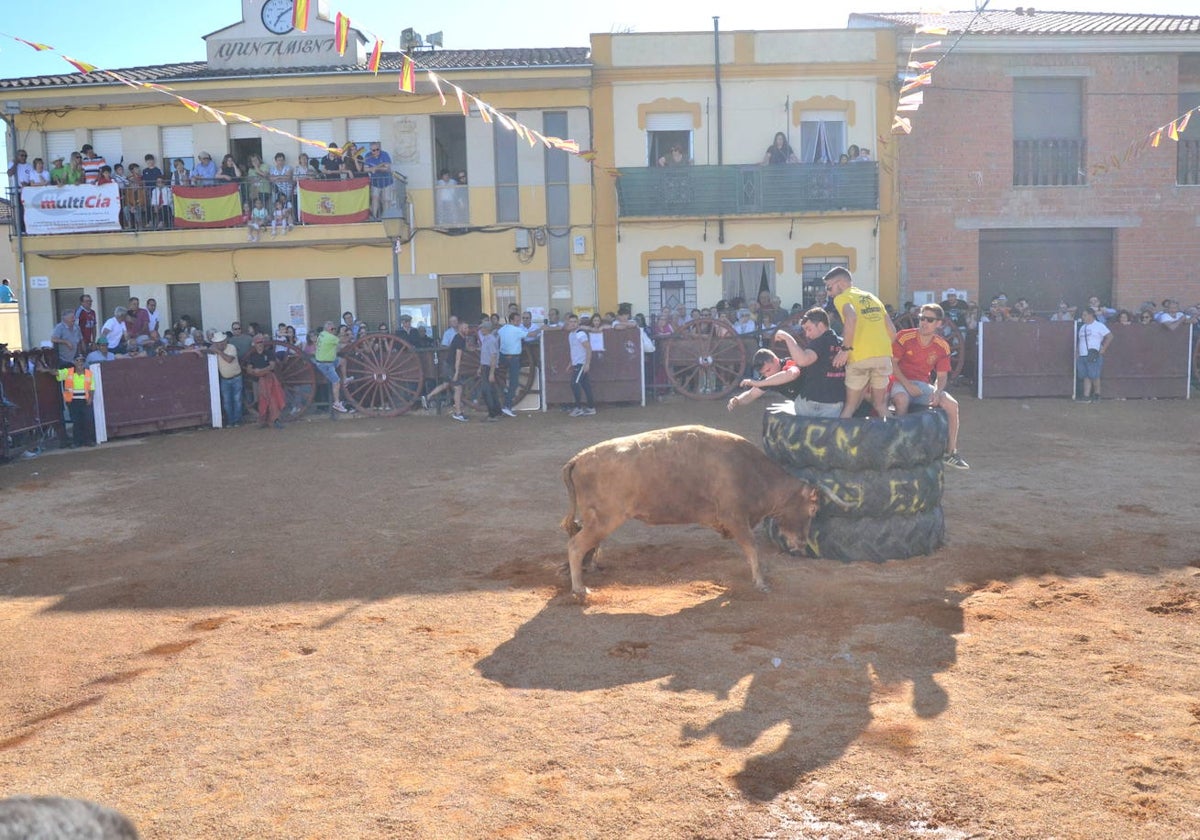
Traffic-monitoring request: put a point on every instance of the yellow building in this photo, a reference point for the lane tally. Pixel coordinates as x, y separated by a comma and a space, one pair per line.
692, 212
519, 230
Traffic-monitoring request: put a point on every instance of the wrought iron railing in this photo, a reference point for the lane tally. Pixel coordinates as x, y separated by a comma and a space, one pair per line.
746, 190
1052, 162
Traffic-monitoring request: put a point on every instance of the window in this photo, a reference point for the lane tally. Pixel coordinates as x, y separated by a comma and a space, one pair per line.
451, 201
508, 196
1048, 144
813, 270
822, 136
107, 144
664, 131
506, 289
184, 299
254, 303
324, 300
58, 144
362, 131
672, 284
1188, 161
371, 301
110, 298
319, 130
558, 198
744, 279
177, 144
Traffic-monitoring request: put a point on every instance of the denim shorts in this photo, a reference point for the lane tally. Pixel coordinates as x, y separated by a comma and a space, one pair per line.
1089, 370
329, 369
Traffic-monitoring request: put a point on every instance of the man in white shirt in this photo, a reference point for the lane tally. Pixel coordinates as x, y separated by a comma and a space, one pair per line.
1093, 340
580, 344
1171, 317
450, 332
114, 330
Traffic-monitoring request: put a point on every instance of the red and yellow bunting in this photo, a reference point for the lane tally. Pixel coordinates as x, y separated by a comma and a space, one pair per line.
81, 66
408, 82
376, 55
341, 33
300, 15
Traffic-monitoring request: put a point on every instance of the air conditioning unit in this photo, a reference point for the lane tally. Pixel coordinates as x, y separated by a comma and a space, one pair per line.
522, 239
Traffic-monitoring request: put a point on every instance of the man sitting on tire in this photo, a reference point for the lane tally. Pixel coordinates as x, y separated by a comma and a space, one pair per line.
918, 353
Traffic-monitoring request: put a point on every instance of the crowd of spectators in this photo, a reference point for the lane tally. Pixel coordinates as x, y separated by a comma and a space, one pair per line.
146, 191
968, 315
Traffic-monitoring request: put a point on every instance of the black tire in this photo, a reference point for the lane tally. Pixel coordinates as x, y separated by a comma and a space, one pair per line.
874, 540
834, 444
875, 493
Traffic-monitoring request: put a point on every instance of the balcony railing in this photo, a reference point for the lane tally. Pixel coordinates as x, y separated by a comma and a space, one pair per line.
1054, 162
147, 208
1188, 163
746, 190
451, 206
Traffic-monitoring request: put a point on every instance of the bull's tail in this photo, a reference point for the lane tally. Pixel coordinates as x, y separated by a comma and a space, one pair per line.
569, 524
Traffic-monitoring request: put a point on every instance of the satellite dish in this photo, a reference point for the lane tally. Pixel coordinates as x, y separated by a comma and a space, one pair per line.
434, 39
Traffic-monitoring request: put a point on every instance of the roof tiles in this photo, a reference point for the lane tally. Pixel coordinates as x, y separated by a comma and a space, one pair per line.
1033, 21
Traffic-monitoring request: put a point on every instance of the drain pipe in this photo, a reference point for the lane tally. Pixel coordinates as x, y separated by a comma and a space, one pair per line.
720, 112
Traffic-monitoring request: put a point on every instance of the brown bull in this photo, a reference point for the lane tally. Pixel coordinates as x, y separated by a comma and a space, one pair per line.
680, 476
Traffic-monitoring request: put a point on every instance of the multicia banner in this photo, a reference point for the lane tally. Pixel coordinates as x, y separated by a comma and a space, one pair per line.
82, 208
334, 202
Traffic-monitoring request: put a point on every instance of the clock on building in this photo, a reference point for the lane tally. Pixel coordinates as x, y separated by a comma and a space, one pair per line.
277, 16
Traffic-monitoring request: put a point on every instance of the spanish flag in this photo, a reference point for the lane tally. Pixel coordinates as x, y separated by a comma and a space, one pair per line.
376, 53
300, 15
408, 83
81, 66
334, 202
207, 207
341, 32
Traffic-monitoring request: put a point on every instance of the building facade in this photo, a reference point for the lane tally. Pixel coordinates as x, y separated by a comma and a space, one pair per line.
691, 211
519, 230
1031, 170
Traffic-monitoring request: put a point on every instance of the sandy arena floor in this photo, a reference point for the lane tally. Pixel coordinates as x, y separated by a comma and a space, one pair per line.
359, 630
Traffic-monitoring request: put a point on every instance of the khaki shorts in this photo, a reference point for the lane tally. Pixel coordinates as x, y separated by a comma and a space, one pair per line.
874, 371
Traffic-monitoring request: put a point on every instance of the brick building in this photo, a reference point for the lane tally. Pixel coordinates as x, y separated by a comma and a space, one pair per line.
1028, 169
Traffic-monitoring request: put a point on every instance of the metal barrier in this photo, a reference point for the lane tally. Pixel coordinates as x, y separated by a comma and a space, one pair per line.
134, 396
616, 371
36, 405
1037, 359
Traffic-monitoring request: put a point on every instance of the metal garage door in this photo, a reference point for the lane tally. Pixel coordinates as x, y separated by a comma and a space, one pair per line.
185, 300
371, 301
254, 304
324, 301
1046, 265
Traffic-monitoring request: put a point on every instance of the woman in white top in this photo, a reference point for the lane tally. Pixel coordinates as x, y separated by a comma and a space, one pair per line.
38, 175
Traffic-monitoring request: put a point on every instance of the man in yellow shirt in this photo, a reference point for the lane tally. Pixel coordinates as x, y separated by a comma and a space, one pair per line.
866, 342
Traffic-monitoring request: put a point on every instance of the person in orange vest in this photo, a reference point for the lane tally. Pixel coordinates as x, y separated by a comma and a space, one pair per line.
77, 394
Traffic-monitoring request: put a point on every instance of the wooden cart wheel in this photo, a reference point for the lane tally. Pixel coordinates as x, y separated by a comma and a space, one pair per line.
953, 335
297, 376
383, 375
705, 359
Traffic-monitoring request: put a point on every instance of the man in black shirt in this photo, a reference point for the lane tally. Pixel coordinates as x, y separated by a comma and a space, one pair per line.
821, 390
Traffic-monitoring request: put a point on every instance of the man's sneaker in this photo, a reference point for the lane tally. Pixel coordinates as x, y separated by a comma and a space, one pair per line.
424, 402
508, 412
577, 411
461, 418
955, 460
586, 412
339, 407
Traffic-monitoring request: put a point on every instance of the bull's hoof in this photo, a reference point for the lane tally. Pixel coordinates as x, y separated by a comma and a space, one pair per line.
762, 586
580, 597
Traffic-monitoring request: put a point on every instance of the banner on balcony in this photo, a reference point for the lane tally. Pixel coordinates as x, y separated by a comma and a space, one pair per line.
83, 208
207, 207
334, 202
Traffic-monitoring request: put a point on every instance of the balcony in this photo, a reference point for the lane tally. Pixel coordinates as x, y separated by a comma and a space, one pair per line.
747, 190
1053, 162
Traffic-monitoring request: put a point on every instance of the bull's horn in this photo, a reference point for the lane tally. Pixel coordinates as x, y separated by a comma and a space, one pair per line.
829, 494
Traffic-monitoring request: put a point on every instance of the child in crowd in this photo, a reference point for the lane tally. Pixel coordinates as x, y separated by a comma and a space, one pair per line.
258, 218
279, 219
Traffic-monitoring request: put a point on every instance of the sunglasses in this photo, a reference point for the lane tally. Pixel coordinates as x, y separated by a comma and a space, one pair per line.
929, 320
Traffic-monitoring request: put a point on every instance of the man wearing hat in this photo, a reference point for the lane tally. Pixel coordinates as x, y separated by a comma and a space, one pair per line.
58, 171
100, 352
77, 394
954, 306
413, 335
229, 370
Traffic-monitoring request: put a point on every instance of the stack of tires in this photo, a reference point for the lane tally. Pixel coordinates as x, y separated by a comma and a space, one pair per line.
888, 474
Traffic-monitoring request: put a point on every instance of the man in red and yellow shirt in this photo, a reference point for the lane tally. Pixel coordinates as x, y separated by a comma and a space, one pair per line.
919, 354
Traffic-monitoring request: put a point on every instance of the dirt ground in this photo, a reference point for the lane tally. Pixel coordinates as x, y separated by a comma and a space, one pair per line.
359, 629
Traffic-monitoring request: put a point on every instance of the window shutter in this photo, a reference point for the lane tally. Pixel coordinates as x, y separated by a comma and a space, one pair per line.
669, 122
107, 143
